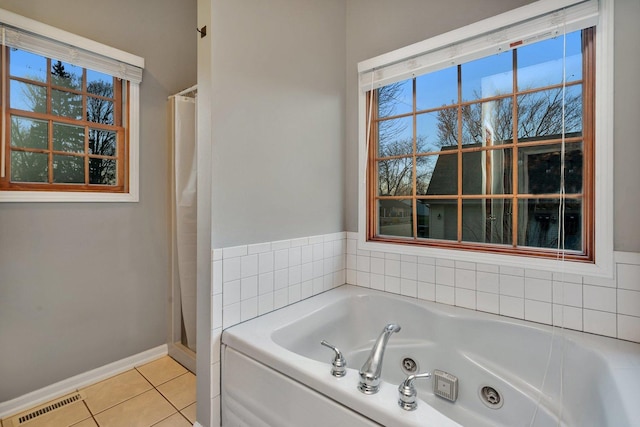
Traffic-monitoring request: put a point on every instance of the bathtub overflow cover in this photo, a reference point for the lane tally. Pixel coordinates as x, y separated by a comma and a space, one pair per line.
491, 397
409, 365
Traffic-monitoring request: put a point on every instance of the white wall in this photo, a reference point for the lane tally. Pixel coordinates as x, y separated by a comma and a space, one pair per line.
85, 284
278, 119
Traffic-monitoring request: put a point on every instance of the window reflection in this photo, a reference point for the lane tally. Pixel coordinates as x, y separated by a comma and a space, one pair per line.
395, 218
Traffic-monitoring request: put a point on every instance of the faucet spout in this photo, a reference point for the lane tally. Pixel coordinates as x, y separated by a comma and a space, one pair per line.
372, 369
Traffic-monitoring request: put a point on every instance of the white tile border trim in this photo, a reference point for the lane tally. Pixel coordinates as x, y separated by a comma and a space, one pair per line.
70, 385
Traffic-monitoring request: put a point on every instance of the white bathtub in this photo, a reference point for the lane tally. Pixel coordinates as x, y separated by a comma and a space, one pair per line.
276, 373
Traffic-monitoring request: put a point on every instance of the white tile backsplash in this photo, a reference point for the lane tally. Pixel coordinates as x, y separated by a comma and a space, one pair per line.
599, 322
629, 302
392, 267
465, 279
538, 311
409, 269
629, 328
409, 287
488, 282
565, 293
465, 298
392, 284
538, 289
489, 302
295, 256
599, 298
512, 306
445, 294
248, 287
629, 277
511, 285
427, 291
248, 265
255, 279
445, 275
231, 269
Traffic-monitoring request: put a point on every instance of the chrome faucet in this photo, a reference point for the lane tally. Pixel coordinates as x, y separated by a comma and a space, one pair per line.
372, 368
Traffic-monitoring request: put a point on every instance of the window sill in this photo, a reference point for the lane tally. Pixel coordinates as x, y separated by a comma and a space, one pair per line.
67, 196
603, 267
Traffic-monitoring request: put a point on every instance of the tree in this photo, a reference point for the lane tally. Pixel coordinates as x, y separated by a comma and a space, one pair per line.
31, 133
395, 173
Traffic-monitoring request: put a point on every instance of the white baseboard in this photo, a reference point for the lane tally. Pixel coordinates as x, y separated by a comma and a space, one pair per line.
70, 385
197, 424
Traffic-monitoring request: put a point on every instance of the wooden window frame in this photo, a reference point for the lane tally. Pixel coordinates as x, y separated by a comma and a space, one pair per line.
23, 33
587, 255
121, 96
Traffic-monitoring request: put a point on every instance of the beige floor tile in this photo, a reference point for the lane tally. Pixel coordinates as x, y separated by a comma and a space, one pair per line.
141, 411
175, 420
180, 391
67, 415
89, 422
115, 390
162, 370
190, 412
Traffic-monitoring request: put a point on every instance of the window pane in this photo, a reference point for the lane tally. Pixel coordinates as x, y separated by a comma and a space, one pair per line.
66, 75
487, 172
538, 223
437, 130
487, 221
437, 89
68, 169
487, 77
29, 133
396, 98
102, 142
102, 172
66, 104
441, 217
423, 208
99, 84
395, 218
541, 113
488, 123
395, 177
68, 138
395, 137
28, 97
540, 64
29, 167
27, 65
99, 110
540, 169
424, 171
437, 175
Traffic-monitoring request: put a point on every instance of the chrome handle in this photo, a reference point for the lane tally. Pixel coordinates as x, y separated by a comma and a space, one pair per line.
339, 364
408, 394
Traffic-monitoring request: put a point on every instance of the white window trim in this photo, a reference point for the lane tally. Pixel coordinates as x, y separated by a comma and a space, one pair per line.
133, 120
604, 256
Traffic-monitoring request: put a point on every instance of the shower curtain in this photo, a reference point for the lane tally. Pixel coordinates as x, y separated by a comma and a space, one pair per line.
184, 211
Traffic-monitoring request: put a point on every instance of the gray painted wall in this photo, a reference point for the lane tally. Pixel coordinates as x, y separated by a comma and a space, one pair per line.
378, 26
626, 125
84, 285
278, 94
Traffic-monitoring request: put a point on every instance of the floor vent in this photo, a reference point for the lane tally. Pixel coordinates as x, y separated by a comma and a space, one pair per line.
24, 418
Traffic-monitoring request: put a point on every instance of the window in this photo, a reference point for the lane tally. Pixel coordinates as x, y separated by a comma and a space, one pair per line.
470, 156
69, 117
464, 136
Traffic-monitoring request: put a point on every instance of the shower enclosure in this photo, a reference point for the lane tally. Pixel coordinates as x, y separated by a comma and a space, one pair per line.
182, 302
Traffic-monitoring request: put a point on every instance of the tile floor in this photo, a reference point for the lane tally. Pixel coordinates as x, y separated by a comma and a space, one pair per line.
161, 393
